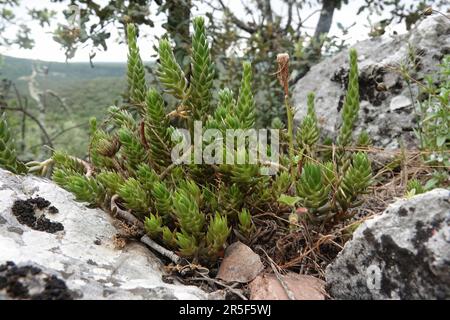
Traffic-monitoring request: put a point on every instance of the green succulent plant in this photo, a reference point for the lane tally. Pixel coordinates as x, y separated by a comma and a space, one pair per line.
414, 187
245, 222
136, 71
350, 108
308, 133
192, 209
328, 187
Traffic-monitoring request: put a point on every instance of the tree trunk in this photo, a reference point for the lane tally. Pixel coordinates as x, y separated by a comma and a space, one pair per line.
326, 18
322, 28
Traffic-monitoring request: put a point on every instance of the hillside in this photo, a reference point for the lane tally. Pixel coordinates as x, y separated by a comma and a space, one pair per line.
86, 92
14, 68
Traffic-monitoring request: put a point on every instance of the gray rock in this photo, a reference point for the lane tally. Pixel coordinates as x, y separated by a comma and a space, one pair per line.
83, 254
386, 113
403, 253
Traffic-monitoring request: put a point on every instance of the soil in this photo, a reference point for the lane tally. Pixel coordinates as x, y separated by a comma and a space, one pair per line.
25, 212
16, 282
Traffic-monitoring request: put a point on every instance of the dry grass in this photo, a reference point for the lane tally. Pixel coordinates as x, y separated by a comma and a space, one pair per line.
311, 248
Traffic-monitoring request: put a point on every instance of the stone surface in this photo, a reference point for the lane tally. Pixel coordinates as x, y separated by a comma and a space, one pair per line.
240, 264
83, 255
386, 114
403, 253
303, 287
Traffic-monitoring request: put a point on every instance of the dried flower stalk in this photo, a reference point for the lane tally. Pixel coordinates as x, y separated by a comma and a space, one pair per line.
283, 71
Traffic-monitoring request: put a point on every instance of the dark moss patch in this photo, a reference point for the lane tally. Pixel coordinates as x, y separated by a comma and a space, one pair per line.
402, 212
14, 280
370, 85
39, 202
55, 289
52, 210
423, 233
25, 212
352, 269
92, 262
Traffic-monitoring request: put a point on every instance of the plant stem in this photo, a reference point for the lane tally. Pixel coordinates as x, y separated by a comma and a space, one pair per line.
290, 132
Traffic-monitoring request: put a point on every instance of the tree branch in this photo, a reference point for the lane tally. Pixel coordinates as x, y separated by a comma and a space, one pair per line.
239, 23
124, 215
166, 253
60, 100
132, 220
289, 20
29, 115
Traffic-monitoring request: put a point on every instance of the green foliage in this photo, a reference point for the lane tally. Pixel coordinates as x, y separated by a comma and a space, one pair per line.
202, 71
329, 187
308, 135
122, 118
356, 180
364, 139
319, 185
137, 87
312, 187
132, 148
147, 177
62, 159
433, 127
99, 140
134, 195
246, 105
188, 213
153, 225
187, 244
86, 189
414, 187
245, 222
225, 115
218, 232
189, 208
8, 154
350, 108
168, 237
170, 73
288, 200
157, 129
281, 184
162, 198
111, 180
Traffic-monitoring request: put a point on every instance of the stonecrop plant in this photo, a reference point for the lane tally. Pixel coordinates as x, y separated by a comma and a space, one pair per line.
328, 185
197, 209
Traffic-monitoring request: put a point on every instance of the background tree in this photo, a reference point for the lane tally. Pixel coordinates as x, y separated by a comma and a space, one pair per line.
258, 33
273, 26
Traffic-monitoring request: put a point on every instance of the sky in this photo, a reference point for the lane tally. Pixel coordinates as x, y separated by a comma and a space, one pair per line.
48, 50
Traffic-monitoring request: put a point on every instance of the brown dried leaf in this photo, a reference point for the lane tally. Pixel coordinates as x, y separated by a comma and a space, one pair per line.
283, 71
